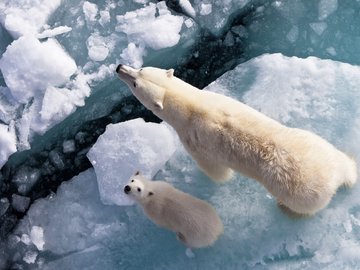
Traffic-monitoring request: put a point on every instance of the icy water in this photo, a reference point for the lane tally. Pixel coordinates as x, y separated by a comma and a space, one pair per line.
65, 129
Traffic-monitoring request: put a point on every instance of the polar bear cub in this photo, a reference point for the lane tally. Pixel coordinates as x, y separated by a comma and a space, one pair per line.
299, 168
194, 221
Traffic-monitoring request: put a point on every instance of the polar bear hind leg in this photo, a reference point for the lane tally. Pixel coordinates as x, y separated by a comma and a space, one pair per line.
350, 174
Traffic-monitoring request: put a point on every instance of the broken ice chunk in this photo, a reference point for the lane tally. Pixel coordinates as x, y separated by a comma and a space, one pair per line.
29, 67
145, 27
23, 17
7, 143
37, 237
25, 178
4, 205
20, 203
90, 10
54, 32
326, 8
187, 8
25, 239
30, 257
125, 148
56, 160
69, 146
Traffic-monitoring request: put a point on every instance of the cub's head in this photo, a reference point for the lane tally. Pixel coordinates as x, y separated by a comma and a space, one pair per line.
138, 188
148, 84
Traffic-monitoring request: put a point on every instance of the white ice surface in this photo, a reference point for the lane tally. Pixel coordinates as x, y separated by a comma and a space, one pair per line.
314, 92
130, 146
71, 221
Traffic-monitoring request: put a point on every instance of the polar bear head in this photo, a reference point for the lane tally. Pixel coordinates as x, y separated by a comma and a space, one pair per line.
148, 84
138, 188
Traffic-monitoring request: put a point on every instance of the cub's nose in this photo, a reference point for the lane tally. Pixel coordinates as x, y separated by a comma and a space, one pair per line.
118, 68
127, 189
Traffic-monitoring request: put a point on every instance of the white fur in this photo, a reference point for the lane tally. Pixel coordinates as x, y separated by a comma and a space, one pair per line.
194, 221
302, 170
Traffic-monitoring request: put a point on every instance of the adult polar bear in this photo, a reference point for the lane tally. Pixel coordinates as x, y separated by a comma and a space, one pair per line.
302, 170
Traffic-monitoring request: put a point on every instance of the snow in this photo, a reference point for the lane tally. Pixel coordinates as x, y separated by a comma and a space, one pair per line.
130, 146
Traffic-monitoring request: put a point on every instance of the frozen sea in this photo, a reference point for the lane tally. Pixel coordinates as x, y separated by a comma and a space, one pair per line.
71, 133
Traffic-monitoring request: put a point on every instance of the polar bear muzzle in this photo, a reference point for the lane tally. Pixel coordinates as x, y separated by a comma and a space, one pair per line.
127, 189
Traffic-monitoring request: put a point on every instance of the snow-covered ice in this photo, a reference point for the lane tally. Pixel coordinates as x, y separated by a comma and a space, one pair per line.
130, 146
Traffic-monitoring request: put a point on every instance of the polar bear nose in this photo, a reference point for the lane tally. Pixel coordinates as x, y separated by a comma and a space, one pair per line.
118, 68
127, 189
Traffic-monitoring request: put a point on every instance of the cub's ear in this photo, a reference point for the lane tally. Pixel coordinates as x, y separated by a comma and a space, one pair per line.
137, 173
170, 72
150, 193
159, 105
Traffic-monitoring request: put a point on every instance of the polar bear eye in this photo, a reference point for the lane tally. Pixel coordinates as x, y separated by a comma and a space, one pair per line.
132, 181
139, 189
135, 85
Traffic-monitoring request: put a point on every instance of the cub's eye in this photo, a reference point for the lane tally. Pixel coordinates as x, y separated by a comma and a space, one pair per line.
132, 180
135, 84
139, 189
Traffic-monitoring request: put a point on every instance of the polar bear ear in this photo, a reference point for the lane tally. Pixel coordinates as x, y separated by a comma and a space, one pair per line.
170, 72
159, 105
